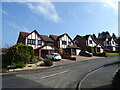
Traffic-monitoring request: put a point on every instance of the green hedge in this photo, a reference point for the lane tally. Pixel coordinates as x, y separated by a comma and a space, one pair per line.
90, 49
18, 54
116, 81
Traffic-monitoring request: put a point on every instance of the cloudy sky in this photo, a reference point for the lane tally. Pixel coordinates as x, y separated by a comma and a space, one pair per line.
57, 18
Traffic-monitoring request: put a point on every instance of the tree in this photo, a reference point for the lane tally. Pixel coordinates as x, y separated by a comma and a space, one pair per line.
114, 36
94, 35
104, 35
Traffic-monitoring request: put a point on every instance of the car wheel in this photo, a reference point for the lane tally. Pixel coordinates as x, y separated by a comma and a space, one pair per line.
52, 58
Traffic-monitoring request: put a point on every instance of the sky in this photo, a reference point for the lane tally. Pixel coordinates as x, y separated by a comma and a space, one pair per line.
74, 18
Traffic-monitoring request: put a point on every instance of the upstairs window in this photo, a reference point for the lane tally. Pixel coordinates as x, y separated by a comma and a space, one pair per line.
69, 43
90, 41
64, 42
113, 42
39, 42
31, 41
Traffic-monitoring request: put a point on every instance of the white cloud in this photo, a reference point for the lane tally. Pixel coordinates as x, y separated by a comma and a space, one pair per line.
111, 3
47, 9
17, 27
4, 12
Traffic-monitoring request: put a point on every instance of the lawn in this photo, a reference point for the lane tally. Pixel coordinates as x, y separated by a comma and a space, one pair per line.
112, 54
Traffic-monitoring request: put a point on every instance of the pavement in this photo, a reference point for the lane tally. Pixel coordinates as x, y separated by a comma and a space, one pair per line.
63, 76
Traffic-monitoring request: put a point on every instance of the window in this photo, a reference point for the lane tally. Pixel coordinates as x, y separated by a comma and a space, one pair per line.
69, 43
113, 42
98, 49
90, 41
39, 42
31, 41
64, 42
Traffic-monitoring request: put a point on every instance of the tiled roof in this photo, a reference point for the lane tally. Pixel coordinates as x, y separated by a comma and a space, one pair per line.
54, 37
46, 38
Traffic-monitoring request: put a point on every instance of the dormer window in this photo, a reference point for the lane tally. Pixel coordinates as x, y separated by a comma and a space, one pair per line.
64, 42
90, 41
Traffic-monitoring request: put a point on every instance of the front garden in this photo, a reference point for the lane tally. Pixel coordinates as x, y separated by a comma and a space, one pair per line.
21, 56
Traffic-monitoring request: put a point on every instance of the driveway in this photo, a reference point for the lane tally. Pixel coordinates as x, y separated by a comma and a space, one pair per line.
78, 58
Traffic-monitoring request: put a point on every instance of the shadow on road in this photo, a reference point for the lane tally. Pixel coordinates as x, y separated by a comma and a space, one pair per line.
114, 63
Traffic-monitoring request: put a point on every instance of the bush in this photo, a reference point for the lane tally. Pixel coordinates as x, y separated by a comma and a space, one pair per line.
48, 62
19, 54
90, 49
19, 64
116, 81
38, 58
4, 70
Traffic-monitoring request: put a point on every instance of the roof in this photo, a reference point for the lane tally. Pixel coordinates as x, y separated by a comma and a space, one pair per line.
54, 37
46, 38
24, 34
72, 46
86, 36
63, 35
78, 39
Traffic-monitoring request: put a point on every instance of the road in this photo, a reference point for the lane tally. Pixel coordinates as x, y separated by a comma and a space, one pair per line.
63, 76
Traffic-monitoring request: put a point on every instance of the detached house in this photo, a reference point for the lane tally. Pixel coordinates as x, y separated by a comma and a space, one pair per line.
111, 44
41, 44
65, 43
84, 41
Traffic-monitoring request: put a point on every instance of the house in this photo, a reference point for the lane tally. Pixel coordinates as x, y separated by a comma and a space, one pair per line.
84, 41
65, 43
111, 44
41, 44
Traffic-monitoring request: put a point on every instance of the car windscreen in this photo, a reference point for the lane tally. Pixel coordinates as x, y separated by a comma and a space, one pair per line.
57, 55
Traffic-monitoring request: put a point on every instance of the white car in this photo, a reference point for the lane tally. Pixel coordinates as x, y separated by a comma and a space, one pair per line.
54, 56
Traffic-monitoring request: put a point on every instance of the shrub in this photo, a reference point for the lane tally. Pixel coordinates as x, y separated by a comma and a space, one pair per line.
19, 54
33, 61
38, 58
48, 62
4, 70
116, 81
90, 49
19, 64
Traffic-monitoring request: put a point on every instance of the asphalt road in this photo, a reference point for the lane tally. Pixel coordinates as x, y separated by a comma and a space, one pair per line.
64, 76
100, 78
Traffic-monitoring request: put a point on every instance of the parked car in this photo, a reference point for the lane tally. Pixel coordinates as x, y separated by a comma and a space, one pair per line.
54, 56
86, 53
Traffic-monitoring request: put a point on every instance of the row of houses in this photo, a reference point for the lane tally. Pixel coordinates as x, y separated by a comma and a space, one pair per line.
43, 44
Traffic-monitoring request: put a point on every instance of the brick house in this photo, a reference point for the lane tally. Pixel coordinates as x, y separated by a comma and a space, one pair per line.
41, 44
84, 41
65, 43
111, 44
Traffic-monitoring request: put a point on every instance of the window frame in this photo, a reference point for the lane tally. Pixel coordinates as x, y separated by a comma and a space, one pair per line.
64, 42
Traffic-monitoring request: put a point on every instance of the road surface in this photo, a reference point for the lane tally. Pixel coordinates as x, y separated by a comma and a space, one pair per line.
64, 76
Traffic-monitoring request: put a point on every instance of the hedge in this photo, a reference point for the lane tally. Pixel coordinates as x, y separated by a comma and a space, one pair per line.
90, 49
